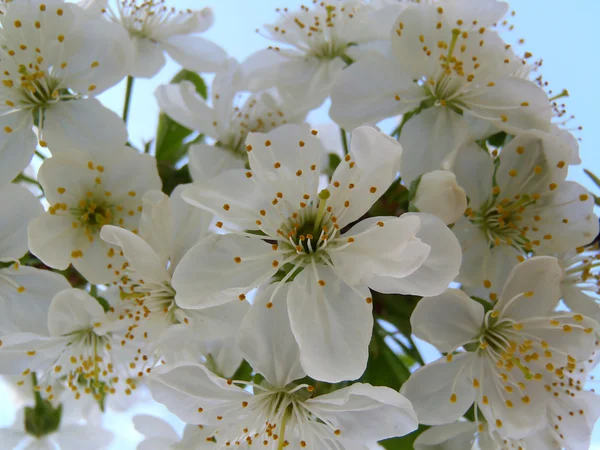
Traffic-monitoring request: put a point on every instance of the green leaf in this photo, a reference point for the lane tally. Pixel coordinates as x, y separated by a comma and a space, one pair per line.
405, 442
244, 372
497, 140
384, 368
334, 161
170, 135
172, 177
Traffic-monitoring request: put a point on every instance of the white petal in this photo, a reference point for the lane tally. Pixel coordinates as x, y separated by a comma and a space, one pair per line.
217, 322
431, 387
149, 58
354, 103
485, 13
261, 68
83, 126
17, 146
152, 426
208, 275
27, 311
332, 325
73, 310
208, 161
195, 53
392, 250
183, 104
23, 207
447, 321
540, 279
231, 196
22, 351
430, 141
147, 264
11, 437
156, 224
503, 100
454, 436
191, 225
439, 268
183, 388
578, 301
474, 170
366, 413
266, 338
373, 165
95, 264
88, 437
51, 239
41, 444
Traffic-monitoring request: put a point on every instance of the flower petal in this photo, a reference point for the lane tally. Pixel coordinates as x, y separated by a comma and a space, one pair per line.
149, 58
532, 289
81, 125
17, 143
208, 161
210, 274
454, 436
23, 207
76, 437
267, 340
447, 321
195, 53
366, 413
431, 389
440, 267
332, 324
51, 239
152, 426
73, 310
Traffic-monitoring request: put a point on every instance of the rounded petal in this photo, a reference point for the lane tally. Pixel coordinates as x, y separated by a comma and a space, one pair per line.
365, 413
208, 161
532, 289
83, 126
27, 311
23, 207
151, 426
577, 301
22, 351
454, 436
195, 53
144, 260
73, 310
447, 321
148, 59
474, 169
266, 338
76, 437
432, 388
260, 69
17, 144
220, 269
51, 239
436, 272
332, 324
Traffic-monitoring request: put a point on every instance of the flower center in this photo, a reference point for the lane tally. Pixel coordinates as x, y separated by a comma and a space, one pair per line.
144, 18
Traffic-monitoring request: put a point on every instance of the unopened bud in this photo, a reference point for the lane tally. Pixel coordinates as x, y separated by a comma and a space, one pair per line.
440, 195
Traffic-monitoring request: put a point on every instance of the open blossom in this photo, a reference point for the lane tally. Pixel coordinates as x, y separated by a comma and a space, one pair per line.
279, 412
312, 46
517, 354
227, 120
448, 64
85, 193
155, 28
55, 60
25, 292
83, 346
168, 228
300, 231
581, 280
519, 202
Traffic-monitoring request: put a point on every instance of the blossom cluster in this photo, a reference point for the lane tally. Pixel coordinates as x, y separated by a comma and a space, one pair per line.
263, 280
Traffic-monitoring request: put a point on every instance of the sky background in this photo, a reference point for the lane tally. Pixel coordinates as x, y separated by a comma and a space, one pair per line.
562, 33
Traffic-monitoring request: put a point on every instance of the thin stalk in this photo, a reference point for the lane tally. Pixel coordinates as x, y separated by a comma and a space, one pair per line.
128, 93
344, 140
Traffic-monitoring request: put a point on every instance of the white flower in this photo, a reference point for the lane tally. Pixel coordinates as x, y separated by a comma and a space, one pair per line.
317, 43
54, 60
440, 195
299, 230
447, 61
82, 347
86, 193
228, 121
159, 435
155, 28
168, 228
517, 354
580, 283
519, 203
279, 410
25, 292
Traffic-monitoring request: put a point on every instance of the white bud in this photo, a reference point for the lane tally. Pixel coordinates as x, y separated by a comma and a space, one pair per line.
440, 195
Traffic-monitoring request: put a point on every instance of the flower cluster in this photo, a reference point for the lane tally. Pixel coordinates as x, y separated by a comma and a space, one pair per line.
265, 282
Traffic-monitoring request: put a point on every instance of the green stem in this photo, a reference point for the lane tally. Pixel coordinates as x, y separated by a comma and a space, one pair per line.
281, 444
40, 155
26, 179
38, 397
128, 93
344, 140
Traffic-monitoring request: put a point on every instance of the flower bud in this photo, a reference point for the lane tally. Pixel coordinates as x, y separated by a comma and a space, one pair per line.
440, 195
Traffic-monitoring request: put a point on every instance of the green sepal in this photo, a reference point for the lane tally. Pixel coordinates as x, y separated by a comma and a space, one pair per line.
405, 442
42, 419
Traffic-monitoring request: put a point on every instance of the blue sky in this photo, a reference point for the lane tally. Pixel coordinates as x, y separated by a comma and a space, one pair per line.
559, 32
